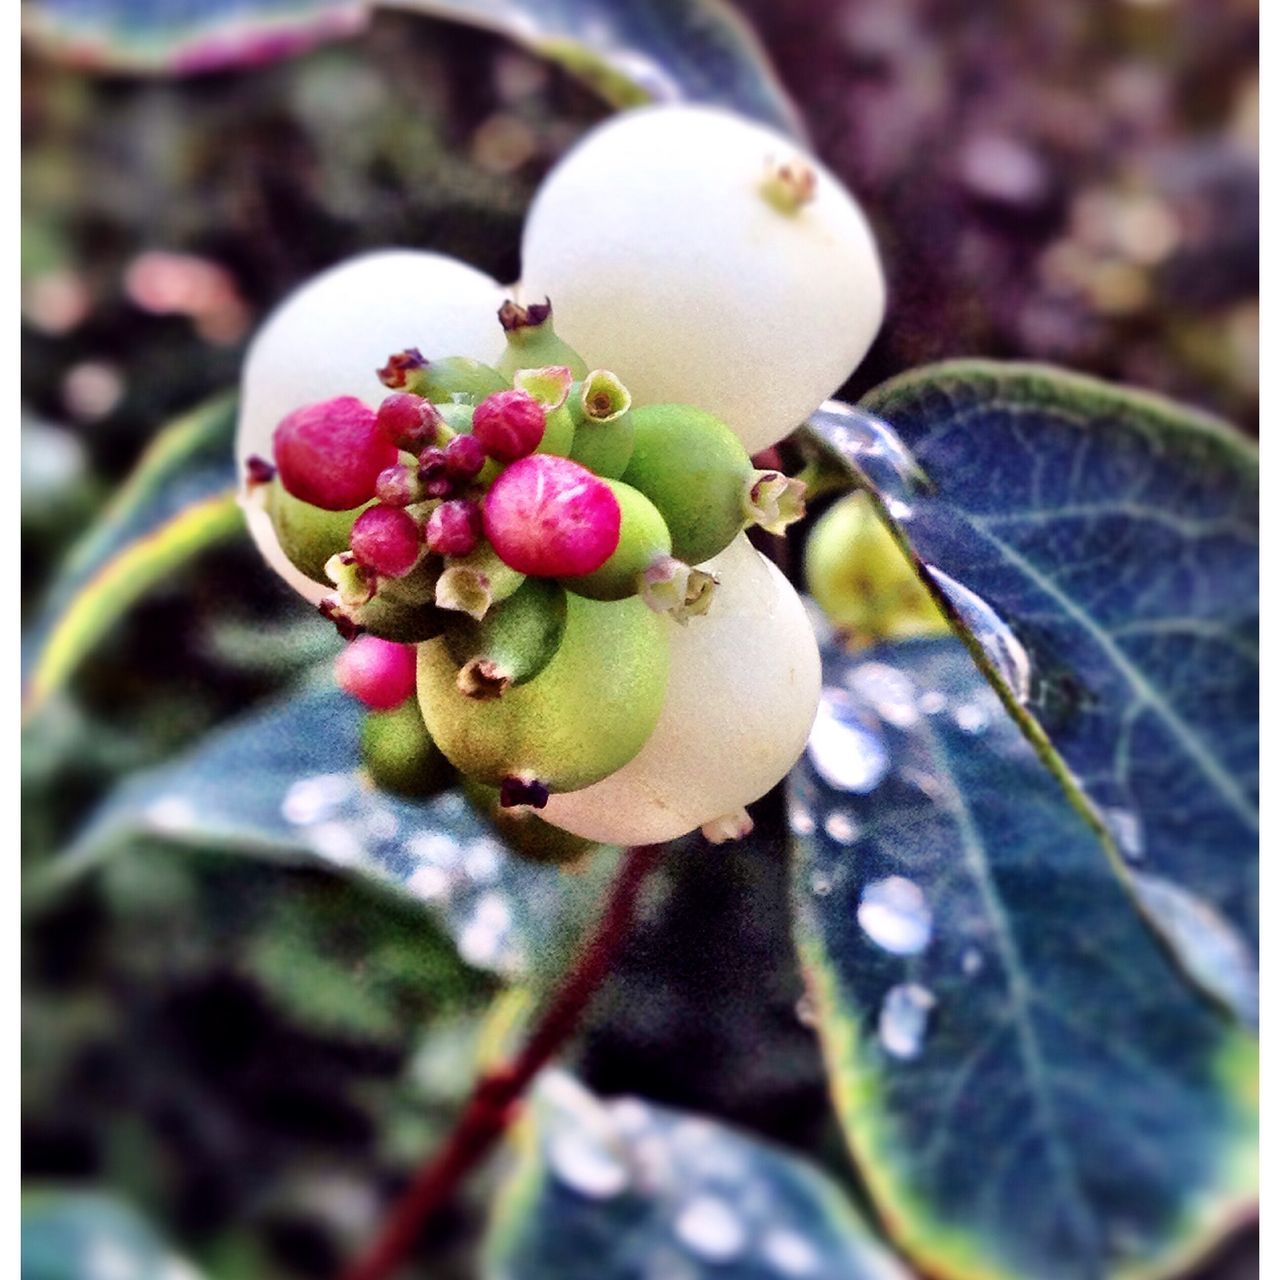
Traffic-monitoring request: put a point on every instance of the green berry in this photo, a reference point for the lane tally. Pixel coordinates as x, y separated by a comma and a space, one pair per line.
861, 579
587, 712
308, 535
398, 753
695, 471
455, 379
512, 643
523, 832
642, 540
604, 434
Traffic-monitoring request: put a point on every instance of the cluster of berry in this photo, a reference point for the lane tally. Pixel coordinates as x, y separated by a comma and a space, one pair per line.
533, 525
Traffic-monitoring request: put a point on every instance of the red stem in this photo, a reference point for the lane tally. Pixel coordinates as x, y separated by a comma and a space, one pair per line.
491, 1106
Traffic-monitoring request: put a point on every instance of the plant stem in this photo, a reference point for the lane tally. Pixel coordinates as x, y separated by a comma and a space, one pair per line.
492, 1105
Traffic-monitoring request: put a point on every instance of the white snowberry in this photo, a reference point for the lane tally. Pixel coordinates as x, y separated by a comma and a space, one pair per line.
330, 337
741, 696
707, 261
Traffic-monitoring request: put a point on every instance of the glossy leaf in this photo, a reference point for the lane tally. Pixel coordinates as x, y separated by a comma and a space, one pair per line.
179, 501
668, 50
1029, 1085
696, 50
286, 782
1115, 533
620, 1189
78, 1236
178, 37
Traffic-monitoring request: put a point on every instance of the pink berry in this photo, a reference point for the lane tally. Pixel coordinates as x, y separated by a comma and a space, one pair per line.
329, 454
386, 540
409, 421
453, 528
550, 517
399, 486
433, 472
381, 674
464, 457
509, 424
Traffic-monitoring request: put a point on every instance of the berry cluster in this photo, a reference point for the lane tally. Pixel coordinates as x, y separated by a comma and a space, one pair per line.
560, 544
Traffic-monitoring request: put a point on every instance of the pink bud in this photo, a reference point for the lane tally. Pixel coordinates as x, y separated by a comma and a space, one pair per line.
409, 421
399, 486
550, 517
381, 674
434, 473
329, 454
464, 457
453, 528
509, 424
386, 540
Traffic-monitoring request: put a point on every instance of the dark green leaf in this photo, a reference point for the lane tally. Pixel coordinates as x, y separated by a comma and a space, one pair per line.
286, 782
67, 1236
617, 1190
664, 50
179, 501
1115, 533
1029, 1085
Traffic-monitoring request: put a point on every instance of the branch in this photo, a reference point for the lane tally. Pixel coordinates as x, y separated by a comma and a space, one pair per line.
492, 1105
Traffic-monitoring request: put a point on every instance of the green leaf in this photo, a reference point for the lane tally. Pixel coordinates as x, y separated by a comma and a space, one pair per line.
611, 1191
1029, 1085
286, 782
184, 36
661, 51
664, 50
78, 1236
179, 501
1111, 539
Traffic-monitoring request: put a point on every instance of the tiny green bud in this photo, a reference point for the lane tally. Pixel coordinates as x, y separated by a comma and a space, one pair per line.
532, 342
512, 643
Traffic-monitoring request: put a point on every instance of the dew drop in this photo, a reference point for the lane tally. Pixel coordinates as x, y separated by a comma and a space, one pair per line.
434, 847
801, 820
313, 799
894, 915
890, 693
708, 1227
631, 1116
484, 938
858, 434
841, 827
429, 883
1001, 646
933, 701
904, 1019
971, 717
1209, 946
586, 1166
806, 1011
171, 815
1126, 829
845, 751
971, 961
336, 842
821, 883
482, 860
899, 510
788, 1253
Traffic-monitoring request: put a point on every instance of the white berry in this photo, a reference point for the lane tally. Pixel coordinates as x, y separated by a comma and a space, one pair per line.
331, 336
706, 261
741, 697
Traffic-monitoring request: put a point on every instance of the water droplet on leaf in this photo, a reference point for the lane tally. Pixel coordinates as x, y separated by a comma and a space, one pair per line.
1004, 650
894, 915
904, 1019
710, 1228
846, 752
587, 1166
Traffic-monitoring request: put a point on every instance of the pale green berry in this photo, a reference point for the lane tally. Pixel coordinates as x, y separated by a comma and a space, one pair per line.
532, 341
582, 717
512, 643
399, 754
306, 534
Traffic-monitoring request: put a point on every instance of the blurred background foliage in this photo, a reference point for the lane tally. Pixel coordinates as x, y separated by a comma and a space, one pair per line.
252, 1053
